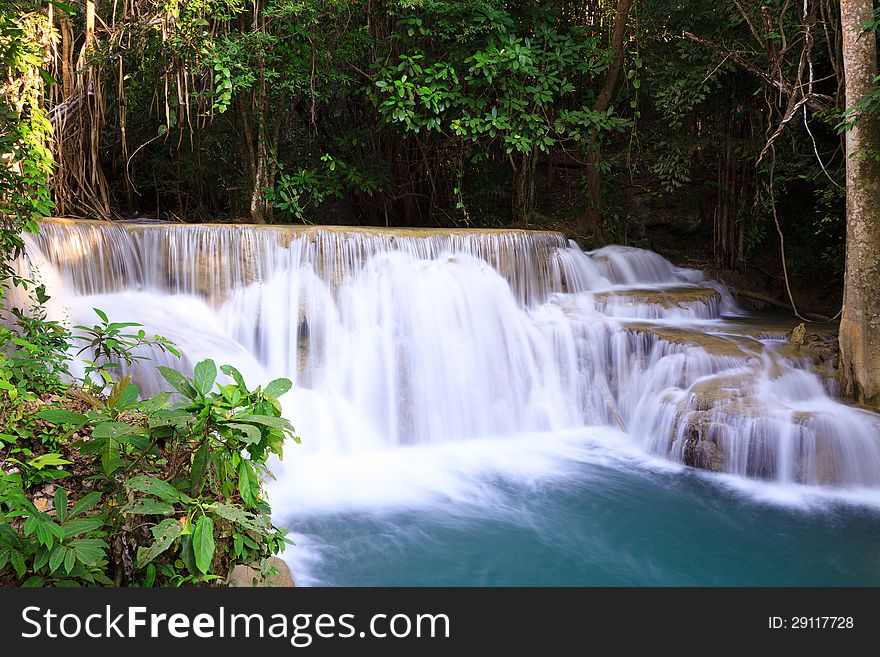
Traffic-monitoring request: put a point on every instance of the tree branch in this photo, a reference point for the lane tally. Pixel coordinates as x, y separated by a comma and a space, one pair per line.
814, 102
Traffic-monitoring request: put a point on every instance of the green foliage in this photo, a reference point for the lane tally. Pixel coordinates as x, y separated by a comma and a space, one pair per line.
25, 159
110, 346
496, 83
306, 188
180, 484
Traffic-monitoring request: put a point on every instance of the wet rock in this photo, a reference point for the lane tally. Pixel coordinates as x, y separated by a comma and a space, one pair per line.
798, 334
732, 391
714, 345
251, 576
701, 449
666, 298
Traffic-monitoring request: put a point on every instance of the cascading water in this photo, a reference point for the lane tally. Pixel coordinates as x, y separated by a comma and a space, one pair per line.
408, 342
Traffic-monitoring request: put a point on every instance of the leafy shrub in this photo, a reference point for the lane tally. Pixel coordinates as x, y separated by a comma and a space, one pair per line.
158, 492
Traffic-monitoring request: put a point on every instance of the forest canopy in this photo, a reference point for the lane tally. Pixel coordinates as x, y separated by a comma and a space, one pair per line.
423, 112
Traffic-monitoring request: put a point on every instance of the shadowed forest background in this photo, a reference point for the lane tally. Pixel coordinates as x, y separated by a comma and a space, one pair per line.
699, 129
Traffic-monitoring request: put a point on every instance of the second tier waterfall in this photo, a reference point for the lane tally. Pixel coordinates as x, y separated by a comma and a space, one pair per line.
407, 337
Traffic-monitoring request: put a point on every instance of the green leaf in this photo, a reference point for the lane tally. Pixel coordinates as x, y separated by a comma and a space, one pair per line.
57, 557
164, 533
69, 561
66, 8
153, 486
203, 543
204, 375
199, 468
150, 577
186, 554
148, 507
46, 460
88, 550
61, 416
17, 561
245, 484
278, 387
60, 504
238, 516
170, 418
178, 381
124, 394
155, 403
269, 421
229, 370
80, 526
86, 503
116, 430
101, 314
110, 460
251, 433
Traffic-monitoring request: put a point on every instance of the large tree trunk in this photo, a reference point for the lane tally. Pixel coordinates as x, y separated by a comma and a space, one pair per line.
860, 323
589, 225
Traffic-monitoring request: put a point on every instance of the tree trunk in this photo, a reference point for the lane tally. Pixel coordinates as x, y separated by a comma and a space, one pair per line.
524, 188
860, 323
589, 225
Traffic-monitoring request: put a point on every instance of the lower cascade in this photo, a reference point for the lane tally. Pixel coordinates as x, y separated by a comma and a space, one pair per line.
408, 337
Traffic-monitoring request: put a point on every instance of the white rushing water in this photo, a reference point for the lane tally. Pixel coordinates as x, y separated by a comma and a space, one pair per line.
413, 340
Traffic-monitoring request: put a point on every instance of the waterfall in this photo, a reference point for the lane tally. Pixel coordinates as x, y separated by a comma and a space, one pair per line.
399, 337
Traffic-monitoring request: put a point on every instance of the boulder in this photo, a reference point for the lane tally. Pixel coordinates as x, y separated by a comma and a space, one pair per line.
252, 576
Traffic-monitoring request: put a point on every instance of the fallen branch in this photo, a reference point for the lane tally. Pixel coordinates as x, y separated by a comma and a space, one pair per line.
757, 296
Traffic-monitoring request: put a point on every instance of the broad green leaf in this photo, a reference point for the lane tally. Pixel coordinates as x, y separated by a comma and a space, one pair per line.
79, 526
178, 381
267, 420
56, 558
203, 543
46, 460
118, 430
199, 468
141, 443
69, 561
63, 6
88, 550
165, 533
186, 554
17, 561
156, 402
204, 375
278, 387
153, 486
245, 484
170, 418
60, 504
148, 507
239, 517
229, 370
86, 503
110, 460
150, 577
251, 433
124, 394
101, 314
61, 416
